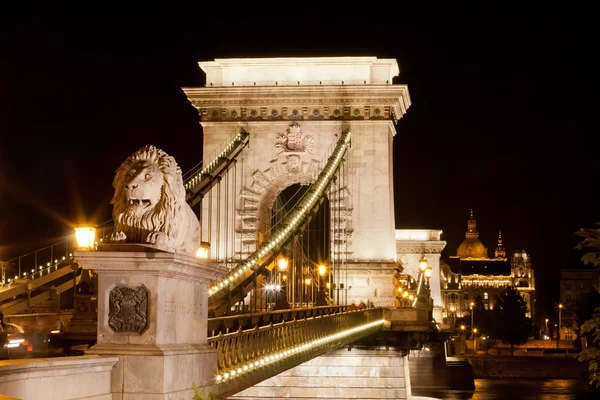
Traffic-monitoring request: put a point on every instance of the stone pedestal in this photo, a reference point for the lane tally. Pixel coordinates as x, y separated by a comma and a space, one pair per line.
152, 315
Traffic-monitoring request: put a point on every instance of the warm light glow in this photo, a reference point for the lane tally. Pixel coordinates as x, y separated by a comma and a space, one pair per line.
546, 320
284, 277
462, 327
202, 251
474, 330
405, 294
422, 263
452, 309
328, 285
410, 297
472, 304
560, 306
86, 237
307, 281
283, 264
427, 272
322, 270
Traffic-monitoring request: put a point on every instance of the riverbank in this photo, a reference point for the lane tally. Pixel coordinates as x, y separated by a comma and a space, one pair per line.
487, 366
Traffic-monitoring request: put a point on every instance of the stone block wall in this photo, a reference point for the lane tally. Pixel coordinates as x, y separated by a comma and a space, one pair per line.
341, 374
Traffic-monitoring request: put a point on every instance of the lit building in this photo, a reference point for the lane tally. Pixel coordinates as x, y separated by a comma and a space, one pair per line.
575, 285
471, 275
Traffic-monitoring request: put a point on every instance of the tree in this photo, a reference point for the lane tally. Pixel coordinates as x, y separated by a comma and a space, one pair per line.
510, 322
590, 330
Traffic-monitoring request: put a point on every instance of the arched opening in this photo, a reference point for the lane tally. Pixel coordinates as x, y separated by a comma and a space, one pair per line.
308, 272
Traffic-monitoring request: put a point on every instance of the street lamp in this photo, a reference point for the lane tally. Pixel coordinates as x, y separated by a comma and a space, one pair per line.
547, 327
203, 250
86, 237
560, 307
428, 275
474, 344
423, 263
472, 312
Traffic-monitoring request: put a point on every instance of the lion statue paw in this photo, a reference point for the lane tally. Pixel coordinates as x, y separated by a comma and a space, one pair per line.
116, 237
157, 238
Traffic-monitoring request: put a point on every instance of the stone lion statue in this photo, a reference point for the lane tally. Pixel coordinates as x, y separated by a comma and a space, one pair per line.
149, 203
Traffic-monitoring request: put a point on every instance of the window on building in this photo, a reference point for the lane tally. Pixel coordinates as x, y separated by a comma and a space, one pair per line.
466, 296
567, 286
453, 298
568, 298
486, 296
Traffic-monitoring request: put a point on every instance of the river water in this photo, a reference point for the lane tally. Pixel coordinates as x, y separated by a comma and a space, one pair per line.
522, 389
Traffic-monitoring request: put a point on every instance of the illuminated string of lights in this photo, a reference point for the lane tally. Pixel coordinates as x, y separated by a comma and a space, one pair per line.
264, 361
41, 270
196, 178
291, 222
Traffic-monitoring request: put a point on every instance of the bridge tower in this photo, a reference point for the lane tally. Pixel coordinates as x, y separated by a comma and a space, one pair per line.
294, 109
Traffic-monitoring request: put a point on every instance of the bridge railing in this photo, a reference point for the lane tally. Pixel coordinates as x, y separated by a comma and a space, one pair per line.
37, 262
246, 351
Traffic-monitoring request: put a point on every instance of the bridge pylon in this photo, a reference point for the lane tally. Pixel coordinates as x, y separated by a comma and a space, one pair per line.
294, 110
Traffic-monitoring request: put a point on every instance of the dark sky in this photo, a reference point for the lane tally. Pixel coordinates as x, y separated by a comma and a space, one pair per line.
499, 123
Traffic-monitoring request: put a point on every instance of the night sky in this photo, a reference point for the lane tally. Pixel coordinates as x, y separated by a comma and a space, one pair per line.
499, 122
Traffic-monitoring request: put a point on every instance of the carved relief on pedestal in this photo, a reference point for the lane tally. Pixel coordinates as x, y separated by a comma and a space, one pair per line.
128, 309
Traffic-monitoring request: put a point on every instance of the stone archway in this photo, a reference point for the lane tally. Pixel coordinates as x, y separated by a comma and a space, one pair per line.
256, 200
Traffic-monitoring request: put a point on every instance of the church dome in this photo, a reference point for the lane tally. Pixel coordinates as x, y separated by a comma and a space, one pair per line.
472, 248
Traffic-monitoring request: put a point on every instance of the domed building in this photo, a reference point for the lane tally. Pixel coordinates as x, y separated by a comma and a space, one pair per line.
471, 247
471, 276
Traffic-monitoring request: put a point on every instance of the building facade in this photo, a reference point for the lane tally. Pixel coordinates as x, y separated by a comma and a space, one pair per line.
575, 285
471, 276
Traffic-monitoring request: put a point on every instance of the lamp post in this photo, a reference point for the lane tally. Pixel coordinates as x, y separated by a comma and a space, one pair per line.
322, 271
472, 312
560, 307
474, 344
547, 327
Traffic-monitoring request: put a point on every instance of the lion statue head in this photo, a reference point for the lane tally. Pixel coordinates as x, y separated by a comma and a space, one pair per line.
149, 203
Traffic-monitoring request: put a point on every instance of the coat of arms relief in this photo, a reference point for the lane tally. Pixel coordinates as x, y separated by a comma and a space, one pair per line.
293, 144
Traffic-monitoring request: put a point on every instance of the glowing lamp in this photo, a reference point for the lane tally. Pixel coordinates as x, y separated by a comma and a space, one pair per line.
86, 237
307, 281
452, 309
410, 297
405, 294
202, 251
427, 272
560, 306
462, 327
422, 263
322, 270
283, 264
328, 285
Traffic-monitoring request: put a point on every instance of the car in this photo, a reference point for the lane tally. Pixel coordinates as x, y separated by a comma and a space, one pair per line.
15, 342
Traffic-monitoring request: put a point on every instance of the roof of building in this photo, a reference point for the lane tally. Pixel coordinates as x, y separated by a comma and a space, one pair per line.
479, 267
472, 248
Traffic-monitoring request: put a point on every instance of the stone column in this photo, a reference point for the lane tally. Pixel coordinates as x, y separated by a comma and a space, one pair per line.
152, 315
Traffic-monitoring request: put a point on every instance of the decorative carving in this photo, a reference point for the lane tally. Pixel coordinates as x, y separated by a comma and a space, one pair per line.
293, 163
128, 309
149, 203
293, 140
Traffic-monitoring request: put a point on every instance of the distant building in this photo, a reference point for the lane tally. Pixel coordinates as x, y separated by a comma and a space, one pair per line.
575, 284
471, 275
